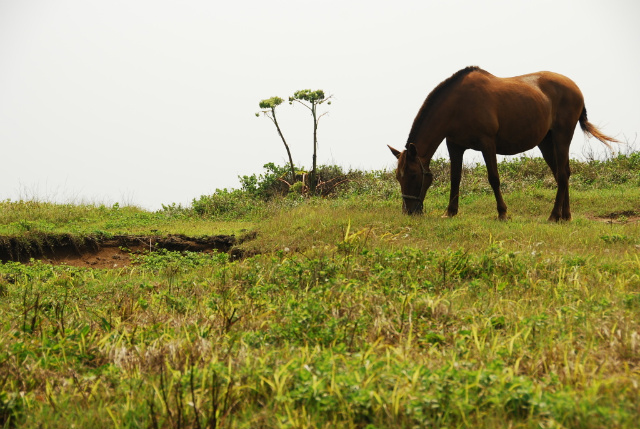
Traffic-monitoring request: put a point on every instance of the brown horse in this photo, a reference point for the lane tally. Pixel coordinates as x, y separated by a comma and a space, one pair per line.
475, 110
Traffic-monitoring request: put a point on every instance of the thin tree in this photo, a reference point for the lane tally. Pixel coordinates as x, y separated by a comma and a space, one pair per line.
268, 107
311, 100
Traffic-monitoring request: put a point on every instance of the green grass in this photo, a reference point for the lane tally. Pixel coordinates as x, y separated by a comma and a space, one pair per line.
22, 217
350, 315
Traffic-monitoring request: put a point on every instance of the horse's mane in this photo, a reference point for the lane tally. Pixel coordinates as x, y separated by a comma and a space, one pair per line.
434, 95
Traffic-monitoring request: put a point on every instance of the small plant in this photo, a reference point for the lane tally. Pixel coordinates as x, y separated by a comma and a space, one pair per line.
10, 409
173, 262
614, 238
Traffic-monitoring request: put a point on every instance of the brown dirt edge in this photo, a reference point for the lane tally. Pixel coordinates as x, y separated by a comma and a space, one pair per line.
626, 216
110, 252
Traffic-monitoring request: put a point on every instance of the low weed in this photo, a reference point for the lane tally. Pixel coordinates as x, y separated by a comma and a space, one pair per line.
389, 338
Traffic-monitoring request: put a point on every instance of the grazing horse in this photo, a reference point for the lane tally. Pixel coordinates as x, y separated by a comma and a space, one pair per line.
474, 109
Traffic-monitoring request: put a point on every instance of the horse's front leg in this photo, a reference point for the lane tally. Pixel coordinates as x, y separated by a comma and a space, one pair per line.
494, 180
456, 154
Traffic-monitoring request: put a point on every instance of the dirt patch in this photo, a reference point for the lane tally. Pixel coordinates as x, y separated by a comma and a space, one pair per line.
112, 252
626, 216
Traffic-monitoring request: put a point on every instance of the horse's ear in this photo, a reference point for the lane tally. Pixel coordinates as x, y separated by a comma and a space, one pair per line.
395, 152
412, 150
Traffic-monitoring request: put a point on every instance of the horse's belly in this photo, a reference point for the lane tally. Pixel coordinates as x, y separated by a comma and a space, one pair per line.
514, 144
523, 131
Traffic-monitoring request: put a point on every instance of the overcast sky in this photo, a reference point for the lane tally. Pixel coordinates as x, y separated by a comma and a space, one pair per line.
150, 102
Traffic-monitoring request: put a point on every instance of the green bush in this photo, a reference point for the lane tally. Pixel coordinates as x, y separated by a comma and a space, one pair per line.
224, 203
267, 185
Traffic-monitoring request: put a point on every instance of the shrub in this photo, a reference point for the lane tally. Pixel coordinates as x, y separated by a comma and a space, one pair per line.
266, 185
228, 204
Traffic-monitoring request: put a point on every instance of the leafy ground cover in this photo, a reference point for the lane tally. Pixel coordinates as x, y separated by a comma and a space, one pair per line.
348, 315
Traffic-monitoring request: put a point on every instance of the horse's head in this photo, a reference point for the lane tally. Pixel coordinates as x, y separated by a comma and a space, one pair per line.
414, 179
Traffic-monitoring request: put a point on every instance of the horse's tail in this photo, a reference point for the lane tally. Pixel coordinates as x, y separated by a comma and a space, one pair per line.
590, 130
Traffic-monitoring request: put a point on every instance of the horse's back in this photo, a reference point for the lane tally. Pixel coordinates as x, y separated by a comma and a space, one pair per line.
529, 106
513, 112
553, 87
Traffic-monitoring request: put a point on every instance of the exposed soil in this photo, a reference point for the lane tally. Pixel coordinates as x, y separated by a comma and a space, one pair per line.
112, 252
627, 216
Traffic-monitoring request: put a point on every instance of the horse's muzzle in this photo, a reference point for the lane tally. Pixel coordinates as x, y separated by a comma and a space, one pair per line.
415, 209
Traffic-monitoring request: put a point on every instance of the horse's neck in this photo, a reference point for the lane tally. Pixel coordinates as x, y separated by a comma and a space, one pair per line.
430, 136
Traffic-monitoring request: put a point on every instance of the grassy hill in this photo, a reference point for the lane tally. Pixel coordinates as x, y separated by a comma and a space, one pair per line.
343, 313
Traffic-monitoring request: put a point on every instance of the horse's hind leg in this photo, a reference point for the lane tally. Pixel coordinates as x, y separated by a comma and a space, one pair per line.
566, 211
555, 150
546, 148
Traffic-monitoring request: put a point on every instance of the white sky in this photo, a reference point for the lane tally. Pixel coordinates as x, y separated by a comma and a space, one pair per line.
151, 102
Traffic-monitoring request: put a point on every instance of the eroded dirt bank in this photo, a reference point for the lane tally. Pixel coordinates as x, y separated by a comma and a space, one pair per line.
111, 252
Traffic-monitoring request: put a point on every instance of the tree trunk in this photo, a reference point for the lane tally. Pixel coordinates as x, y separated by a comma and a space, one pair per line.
293, 170
314, 177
